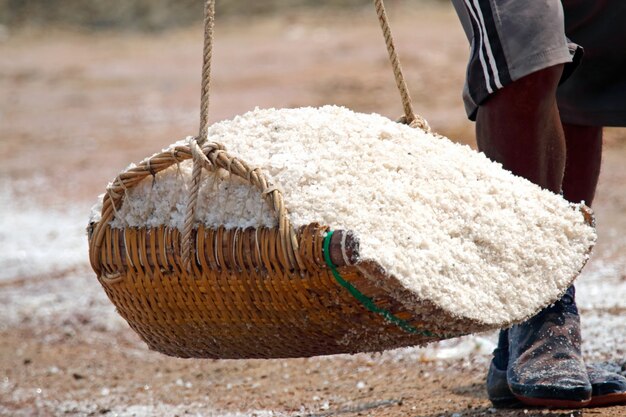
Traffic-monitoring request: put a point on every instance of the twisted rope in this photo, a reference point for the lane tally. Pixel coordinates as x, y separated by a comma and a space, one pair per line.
199, 159
209, 23
196, 143
409, 118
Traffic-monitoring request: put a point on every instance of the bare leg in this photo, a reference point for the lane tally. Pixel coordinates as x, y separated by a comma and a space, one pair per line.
540, 359
582, 167
519, 126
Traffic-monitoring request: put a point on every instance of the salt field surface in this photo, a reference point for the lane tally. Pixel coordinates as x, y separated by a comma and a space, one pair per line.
39, 240
77, 107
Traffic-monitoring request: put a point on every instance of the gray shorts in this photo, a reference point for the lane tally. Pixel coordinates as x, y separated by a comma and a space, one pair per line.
513, 38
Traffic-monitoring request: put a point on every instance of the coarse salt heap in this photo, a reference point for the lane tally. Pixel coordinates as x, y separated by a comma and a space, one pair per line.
451, 225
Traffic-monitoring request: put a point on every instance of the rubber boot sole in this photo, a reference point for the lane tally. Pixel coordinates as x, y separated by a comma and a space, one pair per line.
552, 397
553, 403
608, 399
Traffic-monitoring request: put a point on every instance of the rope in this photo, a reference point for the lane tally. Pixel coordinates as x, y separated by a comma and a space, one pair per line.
199, 159
409, 118
195, 144
209, 22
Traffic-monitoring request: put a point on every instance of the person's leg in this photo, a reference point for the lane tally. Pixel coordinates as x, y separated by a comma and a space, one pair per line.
519, 126
511, 77
582, 167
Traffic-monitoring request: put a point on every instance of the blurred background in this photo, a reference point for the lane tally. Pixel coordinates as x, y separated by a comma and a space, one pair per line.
154, 14
89, 86
135, 14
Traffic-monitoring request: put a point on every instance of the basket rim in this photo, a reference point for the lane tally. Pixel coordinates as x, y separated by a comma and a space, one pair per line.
213, 157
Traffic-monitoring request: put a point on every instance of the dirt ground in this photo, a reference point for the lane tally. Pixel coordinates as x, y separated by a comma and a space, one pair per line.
76, 108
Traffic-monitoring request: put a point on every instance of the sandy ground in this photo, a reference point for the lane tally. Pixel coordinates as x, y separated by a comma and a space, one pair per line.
75, 108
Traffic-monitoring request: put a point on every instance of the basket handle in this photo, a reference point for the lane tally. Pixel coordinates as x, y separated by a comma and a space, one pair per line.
210, 156
219, 158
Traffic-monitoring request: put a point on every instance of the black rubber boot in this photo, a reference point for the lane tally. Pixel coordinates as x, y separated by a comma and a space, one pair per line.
608, 388
545, 366
497, 386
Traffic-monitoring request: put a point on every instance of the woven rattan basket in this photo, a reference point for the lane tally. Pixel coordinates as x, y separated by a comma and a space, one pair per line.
254, 293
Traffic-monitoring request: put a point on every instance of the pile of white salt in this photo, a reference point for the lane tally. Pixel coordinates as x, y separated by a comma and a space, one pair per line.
449, 224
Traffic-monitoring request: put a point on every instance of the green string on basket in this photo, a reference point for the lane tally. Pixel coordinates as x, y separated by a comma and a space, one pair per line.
368, 302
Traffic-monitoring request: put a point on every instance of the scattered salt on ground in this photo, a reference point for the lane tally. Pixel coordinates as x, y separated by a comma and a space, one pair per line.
601, 298
453, 226
195, 409
38, 241
61, 303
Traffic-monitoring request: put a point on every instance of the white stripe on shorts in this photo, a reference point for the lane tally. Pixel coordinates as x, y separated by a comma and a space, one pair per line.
492, 60
484, 40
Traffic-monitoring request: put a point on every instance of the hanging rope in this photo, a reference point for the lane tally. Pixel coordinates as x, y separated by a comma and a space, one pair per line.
209, 23
409, 118
196, 176
196, 143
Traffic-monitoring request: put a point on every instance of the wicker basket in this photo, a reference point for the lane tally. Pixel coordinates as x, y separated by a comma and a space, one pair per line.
253, 293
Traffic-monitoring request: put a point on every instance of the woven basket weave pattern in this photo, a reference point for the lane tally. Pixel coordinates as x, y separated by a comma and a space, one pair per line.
241, 302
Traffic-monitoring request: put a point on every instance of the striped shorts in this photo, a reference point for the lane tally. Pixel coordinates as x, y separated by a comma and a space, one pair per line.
513, 38
510, 39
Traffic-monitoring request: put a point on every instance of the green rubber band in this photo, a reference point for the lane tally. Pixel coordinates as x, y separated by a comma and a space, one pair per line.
366, 301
